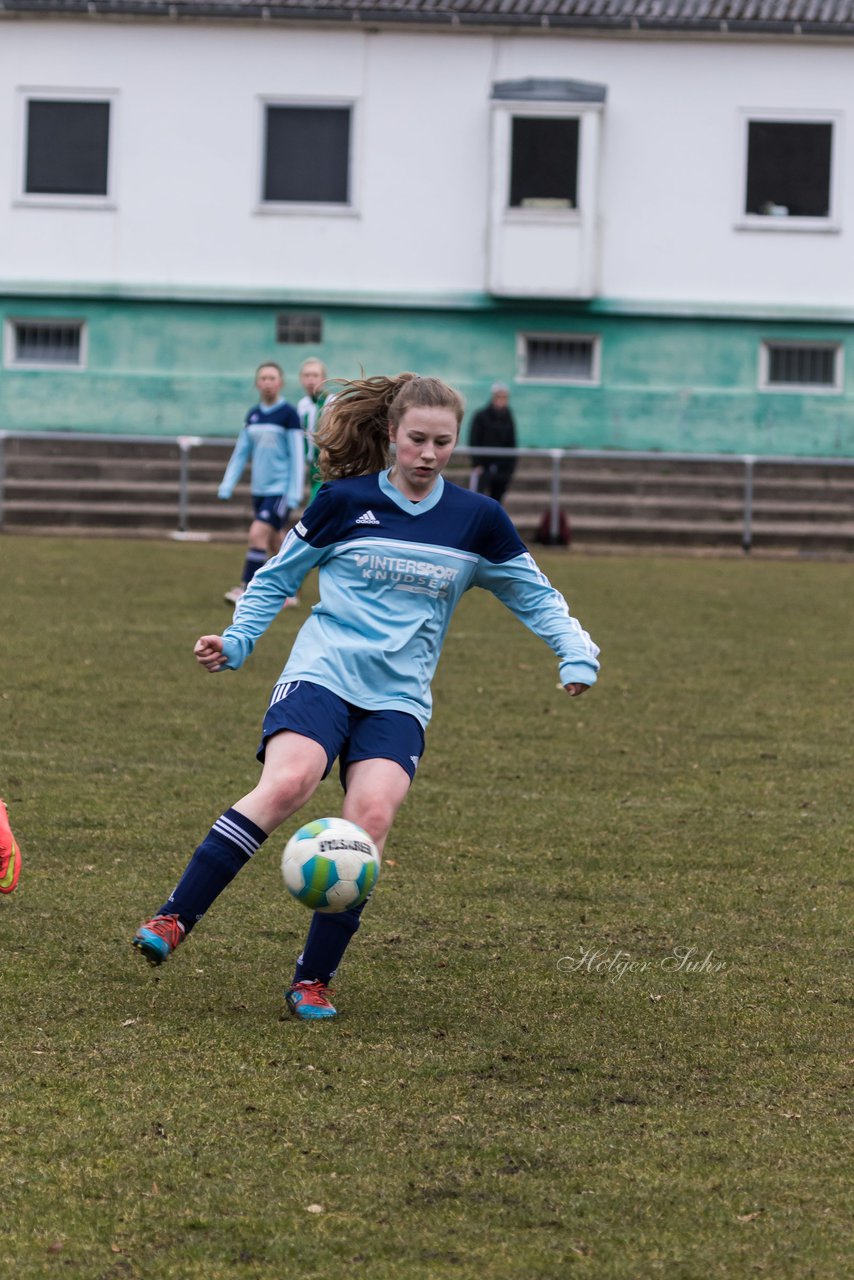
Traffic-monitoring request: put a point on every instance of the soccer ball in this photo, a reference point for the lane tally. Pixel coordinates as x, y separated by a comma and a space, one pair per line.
330, 865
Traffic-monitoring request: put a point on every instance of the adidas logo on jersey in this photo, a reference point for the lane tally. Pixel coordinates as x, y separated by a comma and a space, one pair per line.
367, 518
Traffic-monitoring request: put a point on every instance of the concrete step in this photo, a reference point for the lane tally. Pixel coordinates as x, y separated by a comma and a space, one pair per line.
106, 489
142, 478
832, 484
595, 535
127, 515
686, 533
662, 507
135, 495
68, 470
694, 486
73, 464
70, 460
71, 444
114, 487
221, 521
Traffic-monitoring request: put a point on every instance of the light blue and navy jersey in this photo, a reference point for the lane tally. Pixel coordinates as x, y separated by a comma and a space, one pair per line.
391, 573
273, 439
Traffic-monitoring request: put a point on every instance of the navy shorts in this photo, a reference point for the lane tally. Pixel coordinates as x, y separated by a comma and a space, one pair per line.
344, 731
272, 508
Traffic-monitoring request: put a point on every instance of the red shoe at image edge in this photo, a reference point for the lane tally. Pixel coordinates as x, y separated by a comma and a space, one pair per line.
10, 854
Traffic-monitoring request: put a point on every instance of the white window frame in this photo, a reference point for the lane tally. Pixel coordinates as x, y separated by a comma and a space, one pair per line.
43, 322
60, 201
595, 339
306, 208
801, 388
767, 222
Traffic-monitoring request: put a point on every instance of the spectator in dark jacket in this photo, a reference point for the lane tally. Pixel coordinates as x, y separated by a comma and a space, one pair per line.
493, 425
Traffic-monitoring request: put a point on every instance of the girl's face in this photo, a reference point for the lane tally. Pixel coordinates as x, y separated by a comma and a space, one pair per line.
312, 379
424, 440
269, 383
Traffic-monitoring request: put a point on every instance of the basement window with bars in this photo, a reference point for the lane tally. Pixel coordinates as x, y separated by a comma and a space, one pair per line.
41, 344
552, 357
806, 366
299, 327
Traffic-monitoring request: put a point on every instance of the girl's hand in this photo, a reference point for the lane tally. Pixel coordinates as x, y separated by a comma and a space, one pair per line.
574, 690
208, 652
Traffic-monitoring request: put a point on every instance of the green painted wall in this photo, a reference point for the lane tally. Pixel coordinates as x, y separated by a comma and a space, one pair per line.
671, 383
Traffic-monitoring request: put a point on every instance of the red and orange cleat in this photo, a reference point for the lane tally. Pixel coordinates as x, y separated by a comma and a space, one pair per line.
309, 999
158, 938
10, 854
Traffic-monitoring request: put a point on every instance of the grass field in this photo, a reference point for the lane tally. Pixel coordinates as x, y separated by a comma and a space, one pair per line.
597, 1021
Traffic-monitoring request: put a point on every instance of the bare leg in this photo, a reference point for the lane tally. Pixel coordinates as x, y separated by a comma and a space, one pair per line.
263, 536
375, 791
293, 768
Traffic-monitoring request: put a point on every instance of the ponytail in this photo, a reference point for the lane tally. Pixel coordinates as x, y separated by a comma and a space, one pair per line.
353, 434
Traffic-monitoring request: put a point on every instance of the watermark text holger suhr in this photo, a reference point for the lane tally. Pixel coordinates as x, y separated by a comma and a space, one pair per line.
615, 964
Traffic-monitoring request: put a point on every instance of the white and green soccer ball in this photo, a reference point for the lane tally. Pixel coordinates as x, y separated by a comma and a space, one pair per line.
330, 865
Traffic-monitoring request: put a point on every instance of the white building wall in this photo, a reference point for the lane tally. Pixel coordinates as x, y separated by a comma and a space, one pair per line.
187, 146
672, 167
188, 137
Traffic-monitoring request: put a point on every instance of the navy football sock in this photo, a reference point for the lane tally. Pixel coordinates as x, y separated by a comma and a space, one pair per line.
329, 935
226, 848
255, 557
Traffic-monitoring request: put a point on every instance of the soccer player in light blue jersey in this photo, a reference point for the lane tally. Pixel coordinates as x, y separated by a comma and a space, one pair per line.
395, 546
273, 440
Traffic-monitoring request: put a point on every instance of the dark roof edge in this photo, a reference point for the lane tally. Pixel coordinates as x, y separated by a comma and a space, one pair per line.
378, 16
542, 89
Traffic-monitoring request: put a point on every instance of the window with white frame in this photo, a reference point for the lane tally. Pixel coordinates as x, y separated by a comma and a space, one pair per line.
800, 366
558, 357
45, 344
66, 146
543, 187
306, 154
789, 169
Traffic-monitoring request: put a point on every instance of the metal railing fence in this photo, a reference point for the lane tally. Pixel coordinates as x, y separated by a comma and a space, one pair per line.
184, 444
558, 459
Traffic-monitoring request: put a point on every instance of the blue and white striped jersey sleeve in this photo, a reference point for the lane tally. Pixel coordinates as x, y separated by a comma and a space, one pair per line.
512, 574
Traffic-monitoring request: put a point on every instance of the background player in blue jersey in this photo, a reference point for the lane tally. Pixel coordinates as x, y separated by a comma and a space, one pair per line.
396, 547
272, 438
